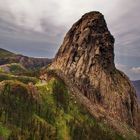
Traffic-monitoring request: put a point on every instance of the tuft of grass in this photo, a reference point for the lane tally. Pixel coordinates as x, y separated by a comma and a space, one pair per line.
4, 132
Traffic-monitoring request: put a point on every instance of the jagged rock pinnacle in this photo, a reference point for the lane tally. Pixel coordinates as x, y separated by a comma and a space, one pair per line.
86, 57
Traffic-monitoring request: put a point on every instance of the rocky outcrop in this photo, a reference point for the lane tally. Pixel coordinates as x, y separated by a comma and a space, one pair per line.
86, 57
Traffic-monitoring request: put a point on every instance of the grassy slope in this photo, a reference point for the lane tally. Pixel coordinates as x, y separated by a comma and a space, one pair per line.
16, 71
46, 112
5, 53
14, 68
24, 79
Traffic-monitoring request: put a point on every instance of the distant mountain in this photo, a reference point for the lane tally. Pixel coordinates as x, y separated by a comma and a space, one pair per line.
5, 53
7, 57
137, 87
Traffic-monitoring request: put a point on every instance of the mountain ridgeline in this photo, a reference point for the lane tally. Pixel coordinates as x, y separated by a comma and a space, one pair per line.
7, 57
78, 95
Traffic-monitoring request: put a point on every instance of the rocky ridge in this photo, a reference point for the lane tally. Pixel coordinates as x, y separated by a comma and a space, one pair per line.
86, 58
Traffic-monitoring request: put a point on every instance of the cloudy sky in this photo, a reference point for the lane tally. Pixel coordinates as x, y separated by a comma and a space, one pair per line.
37, 27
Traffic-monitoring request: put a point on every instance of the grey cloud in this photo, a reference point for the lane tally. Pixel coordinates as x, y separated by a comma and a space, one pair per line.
29, 42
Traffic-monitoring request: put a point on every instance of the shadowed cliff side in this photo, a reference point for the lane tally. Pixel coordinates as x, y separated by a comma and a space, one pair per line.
86, 58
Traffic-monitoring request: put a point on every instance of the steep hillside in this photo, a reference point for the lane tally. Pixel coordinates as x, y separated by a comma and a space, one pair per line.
137, 87
47, 112
7, 57
5, 53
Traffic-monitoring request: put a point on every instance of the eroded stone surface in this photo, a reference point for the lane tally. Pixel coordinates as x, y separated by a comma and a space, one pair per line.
86, 57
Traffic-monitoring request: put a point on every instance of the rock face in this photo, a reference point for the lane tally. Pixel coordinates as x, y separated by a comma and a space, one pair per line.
86, 57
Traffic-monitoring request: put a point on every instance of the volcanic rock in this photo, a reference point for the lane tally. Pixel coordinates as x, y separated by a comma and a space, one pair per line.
86, 57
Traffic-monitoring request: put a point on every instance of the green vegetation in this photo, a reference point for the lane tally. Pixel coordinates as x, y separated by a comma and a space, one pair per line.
47, 112
24, 79
13, 68
16, 68
4, 132
1, 70
70, 118
5, 53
